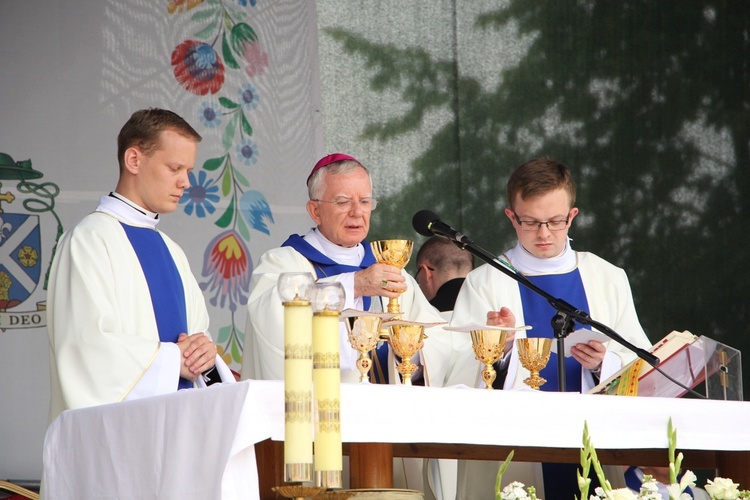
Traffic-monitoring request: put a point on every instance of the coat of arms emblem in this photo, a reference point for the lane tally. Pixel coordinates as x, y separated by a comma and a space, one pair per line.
24, 266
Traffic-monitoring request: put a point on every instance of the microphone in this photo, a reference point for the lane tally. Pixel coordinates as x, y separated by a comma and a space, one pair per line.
428, 223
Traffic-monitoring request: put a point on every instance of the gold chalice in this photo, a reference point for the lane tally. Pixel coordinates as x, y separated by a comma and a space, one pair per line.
364, 333
488, 346
534, 356
394, 253
488, 343
406, 339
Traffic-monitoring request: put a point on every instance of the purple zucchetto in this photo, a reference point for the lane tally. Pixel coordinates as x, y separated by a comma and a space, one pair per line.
327, 160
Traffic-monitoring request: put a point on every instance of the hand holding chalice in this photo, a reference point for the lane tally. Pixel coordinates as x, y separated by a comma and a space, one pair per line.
393, 253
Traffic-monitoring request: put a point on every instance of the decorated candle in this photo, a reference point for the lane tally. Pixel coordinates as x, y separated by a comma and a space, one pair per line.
328, 301
296, 290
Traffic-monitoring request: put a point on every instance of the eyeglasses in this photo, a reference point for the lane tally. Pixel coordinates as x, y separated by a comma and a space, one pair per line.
533, 225
347, 204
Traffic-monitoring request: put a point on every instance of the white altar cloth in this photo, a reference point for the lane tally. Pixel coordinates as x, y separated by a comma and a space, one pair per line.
200, 443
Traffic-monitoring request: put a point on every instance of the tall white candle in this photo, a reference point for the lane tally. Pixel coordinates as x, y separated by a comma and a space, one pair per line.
296, 291
328, 462
298, 364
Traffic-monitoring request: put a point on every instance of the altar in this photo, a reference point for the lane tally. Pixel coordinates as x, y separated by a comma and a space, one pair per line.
202, 443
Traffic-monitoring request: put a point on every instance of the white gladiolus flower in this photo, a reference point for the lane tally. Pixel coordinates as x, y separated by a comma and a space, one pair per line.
649, 486
722, 489
514, 491
688, 480
622, 494
674, 490
718, 489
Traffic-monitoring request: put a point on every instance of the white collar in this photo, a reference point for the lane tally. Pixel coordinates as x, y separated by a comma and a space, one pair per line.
125, 210
530, 265
343, 255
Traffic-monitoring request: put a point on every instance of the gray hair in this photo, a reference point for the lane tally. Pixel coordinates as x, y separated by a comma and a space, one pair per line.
316, 183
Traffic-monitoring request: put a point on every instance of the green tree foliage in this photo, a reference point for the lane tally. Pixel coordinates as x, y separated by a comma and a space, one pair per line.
647, 102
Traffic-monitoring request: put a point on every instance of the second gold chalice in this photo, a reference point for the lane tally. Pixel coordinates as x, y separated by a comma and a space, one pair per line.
363, 328
488, 346
488, 343
394, 253
533, 353
406, 339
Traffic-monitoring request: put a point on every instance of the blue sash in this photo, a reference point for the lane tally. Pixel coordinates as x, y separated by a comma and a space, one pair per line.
164, 284
538, 313
559, 478
325, 267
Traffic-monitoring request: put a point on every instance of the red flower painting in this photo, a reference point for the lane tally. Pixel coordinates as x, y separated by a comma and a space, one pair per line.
197, 67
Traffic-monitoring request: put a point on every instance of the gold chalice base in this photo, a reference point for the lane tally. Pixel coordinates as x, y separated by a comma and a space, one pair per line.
533, 353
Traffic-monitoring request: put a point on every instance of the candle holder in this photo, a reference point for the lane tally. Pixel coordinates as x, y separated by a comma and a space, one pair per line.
327, 302
335, 495
296, 287
364, 328
296, 290
298, 492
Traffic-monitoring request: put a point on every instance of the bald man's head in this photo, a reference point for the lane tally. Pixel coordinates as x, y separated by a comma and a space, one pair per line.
439, 260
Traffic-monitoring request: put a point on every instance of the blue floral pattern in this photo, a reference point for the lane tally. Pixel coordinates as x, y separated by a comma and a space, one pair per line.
247, 152
201, 195
210, 115
224, 42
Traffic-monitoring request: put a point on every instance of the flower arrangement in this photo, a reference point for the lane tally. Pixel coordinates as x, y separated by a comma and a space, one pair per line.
718, 489
514, 490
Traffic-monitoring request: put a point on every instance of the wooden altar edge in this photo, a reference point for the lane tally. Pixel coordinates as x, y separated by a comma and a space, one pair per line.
371, 464
643, 456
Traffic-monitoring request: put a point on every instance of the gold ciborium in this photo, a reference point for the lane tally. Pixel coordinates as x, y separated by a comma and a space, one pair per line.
394, 253
534, 356
406, 339
364, 333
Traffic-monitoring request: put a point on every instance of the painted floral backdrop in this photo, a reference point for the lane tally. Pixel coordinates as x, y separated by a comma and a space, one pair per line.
223, 40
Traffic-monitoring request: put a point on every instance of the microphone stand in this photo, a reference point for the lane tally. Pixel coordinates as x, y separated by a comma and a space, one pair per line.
562, 326
567, 314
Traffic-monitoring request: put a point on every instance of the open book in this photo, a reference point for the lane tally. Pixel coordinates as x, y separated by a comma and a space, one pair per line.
638, 378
